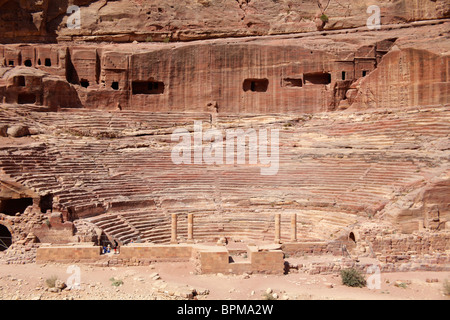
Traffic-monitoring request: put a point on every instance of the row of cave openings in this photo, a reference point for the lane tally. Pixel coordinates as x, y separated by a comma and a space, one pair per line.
249, 85
158, 87
47, 62
27, 63
316, 78
13, 207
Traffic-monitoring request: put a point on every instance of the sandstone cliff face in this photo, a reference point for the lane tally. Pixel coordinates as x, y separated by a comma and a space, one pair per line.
240, 78
129, 20
345, 159
405, 78
424, 207
280, 74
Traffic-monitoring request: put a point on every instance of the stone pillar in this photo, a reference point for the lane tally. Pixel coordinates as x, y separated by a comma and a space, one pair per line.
190, 227
294, 227
277, 227
174, 236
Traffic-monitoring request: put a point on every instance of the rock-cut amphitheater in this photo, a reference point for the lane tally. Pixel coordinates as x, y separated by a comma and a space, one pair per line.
88, 115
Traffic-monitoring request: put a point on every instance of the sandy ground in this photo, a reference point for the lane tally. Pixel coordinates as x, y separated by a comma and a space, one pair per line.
28, 282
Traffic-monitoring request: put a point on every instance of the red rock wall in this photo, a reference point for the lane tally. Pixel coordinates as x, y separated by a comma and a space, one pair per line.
192, 76
129, 20
196, 75
268, 76
406, 78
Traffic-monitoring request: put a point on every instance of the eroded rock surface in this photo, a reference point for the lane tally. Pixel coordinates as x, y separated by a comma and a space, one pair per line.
130, 20
363, 118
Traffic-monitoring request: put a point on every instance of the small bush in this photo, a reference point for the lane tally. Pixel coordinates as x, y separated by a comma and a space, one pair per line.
116, 282
51, 281
324, 18
352, 278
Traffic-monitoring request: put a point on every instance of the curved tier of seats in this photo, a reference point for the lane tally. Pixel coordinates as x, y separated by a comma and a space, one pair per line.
328, 174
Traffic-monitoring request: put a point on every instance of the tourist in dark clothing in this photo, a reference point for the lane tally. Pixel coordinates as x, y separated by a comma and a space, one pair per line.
116, 247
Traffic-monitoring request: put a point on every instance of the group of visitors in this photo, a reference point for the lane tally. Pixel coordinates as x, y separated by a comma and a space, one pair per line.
107, 249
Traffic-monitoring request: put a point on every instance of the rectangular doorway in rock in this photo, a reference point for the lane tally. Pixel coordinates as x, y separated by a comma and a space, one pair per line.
256, 85
13, 206
147, 87
317, 78
26, 98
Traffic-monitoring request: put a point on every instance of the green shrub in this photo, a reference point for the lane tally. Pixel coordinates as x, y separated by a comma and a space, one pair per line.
51, 281
324, 18
352, 278
116, 282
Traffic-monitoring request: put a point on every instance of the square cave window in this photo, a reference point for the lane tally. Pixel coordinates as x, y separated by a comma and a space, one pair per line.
115, 85
46, 203
20, 81
364, 73
84, 83
317, 78
12, 206
26, 98
28, 63
11, 63
256, 85
48, 62
147, 87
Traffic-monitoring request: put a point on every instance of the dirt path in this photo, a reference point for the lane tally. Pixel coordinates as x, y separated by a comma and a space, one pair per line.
29, 282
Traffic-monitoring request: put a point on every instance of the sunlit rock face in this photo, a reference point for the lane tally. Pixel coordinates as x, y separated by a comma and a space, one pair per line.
87, 116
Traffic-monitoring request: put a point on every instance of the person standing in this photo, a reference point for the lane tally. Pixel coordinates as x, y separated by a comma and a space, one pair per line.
116, 247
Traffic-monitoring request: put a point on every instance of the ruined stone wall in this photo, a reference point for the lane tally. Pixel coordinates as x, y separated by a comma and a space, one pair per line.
151, 252
208, 259
82, 253
217, 260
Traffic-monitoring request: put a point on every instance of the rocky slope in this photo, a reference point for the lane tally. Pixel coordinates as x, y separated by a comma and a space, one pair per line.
129, 20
